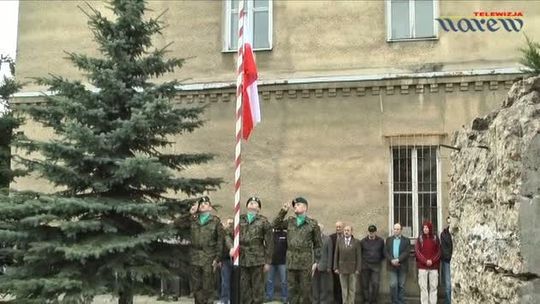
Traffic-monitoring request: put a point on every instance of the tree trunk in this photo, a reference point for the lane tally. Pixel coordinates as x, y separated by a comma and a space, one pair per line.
125, 296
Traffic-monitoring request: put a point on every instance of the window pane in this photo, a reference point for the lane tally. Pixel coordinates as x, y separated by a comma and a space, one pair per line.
234, 4
423, 18
400, 19
260, 4
427, 169
427, 210
260, 33
234, 32
402, 169
403, 210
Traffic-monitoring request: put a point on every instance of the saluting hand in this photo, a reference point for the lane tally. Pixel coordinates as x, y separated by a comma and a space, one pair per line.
285, 207
313, 269
193, 209
215, 265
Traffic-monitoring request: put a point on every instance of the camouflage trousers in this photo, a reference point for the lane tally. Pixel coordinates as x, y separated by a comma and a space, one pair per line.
203, 284
299, 282
252, 284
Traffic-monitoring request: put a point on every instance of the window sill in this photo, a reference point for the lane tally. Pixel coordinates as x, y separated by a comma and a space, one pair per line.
255, 50
412, 39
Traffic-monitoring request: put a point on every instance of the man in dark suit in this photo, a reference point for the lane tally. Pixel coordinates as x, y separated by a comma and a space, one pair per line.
397, 253
322, 278
347, 263
334, 237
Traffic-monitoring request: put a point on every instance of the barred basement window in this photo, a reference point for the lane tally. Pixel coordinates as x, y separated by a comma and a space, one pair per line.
415, 187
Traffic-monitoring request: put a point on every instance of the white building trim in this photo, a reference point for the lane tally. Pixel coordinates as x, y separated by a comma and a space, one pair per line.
327, 79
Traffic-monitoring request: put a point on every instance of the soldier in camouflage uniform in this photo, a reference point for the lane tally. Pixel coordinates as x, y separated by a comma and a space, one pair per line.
256, 247
206, 248
303, 249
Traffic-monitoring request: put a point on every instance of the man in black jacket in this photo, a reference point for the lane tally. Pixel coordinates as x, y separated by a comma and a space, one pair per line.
372, 255
446, 250
278, 265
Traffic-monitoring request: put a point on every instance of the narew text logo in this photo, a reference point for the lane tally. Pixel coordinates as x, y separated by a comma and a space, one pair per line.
483, 22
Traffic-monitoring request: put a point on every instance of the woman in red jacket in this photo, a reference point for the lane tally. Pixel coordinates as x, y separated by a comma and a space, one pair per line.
428, 255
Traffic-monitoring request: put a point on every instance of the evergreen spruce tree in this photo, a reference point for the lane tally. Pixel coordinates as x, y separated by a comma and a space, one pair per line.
8, 122
104, 230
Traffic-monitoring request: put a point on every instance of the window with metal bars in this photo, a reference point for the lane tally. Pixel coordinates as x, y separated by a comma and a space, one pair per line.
415, 187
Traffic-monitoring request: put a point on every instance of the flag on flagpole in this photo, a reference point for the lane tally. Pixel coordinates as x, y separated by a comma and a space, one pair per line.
251, 112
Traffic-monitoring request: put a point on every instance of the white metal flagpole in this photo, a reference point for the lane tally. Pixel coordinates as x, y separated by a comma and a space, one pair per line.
235, 280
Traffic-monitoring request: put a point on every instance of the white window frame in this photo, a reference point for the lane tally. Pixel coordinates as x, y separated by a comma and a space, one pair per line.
249, 12
412, 25
414, 169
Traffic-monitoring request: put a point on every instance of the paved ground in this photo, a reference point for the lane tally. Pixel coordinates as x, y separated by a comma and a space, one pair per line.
138, 300
184, 300
145, 300
150, 300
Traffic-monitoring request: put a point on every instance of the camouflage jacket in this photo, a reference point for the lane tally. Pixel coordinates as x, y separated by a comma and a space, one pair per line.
206, 240
303, 243
256, 241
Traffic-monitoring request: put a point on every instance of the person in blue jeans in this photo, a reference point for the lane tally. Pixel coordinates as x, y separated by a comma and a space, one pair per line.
446, 255
397, 252
226, 267
278, 266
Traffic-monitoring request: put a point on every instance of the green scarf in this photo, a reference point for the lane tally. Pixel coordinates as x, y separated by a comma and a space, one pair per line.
251, 217
204, 218
300, 220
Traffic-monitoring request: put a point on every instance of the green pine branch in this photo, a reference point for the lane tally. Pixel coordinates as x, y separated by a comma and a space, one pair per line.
531, 57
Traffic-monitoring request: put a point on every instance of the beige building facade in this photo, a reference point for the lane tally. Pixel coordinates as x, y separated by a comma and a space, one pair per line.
359, 99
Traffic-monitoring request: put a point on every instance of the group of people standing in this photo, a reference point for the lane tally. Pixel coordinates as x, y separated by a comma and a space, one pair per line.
318, 268
357, 259
362, 259
209, 240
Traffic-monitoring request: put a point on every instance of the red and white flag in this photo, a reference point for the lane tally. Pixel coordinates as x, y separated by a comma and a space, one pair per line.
251, 112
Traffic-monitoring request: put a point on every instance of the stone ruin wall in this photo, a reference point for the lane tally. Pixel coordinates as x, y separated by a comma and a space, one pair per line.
495, 202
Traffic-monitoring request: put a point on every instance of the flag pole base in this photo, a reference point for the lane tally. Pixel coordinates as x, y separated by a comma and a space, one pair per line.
235, 285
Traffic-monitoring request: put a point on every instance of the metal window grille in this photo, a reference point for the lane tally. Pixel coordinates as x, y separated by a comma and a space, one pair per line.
415, 184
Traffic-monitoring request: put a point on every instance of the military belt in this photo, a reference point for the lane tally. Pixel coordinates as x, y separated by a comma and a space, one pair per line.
300, 248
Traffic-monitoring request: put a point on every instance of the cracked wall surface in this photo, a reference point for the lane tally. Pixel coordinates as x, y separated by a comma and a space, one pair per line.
495, 202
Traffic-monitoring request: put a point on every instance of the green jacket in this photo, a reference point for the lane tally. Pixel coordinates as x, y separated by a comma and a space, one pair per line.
256, 241
303, 243
206, 240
